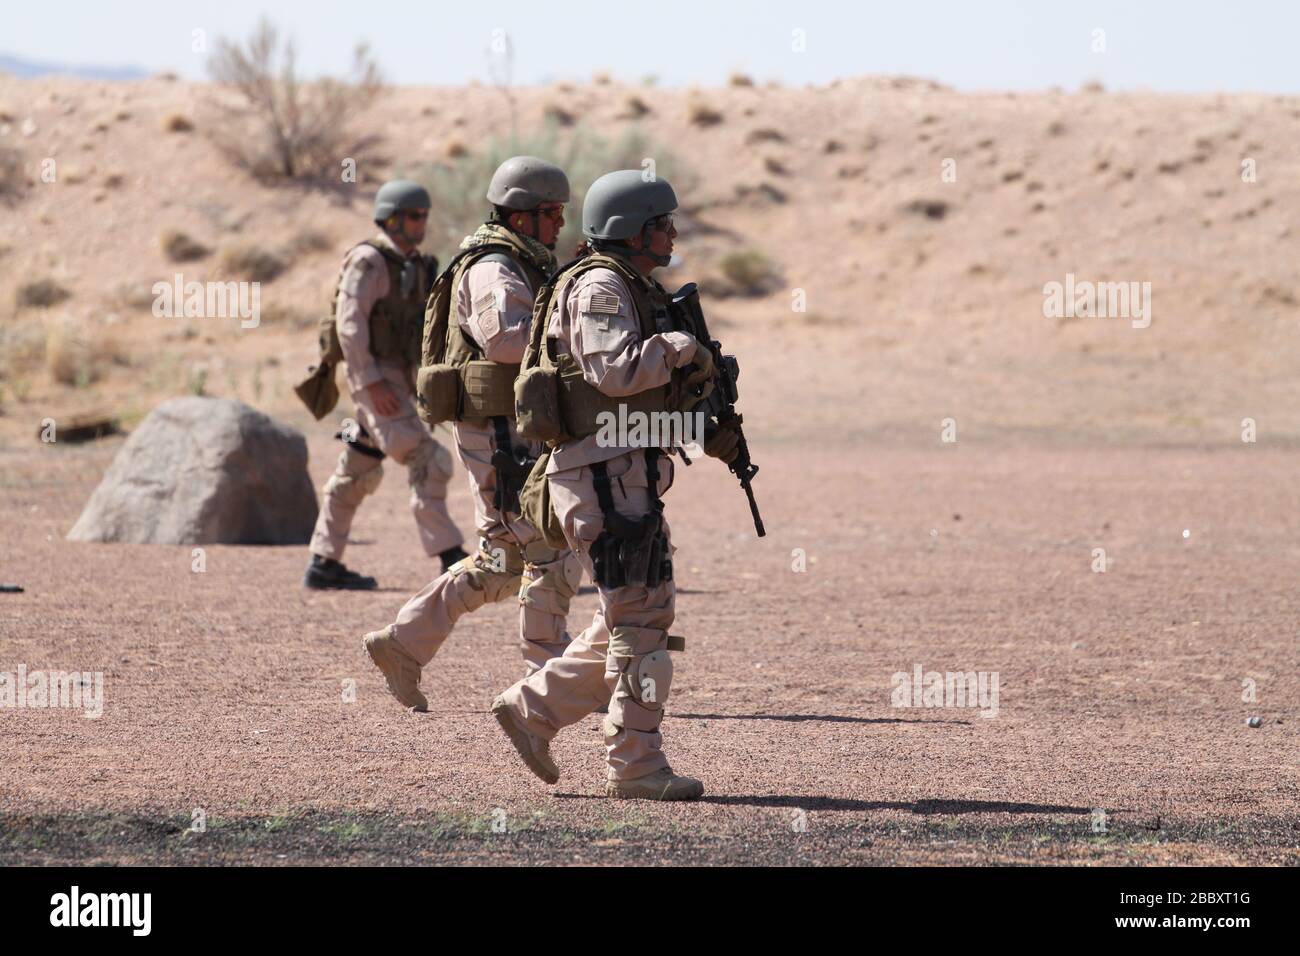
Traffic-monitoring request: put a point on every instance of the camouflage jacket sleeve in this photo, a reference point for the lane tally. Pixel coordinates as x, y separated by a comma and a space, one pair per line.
364, 282
604, 338
494, 307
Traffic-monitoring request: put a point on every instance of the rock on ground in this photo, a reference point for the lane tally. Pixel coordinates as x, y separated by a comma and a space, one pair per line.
204, 471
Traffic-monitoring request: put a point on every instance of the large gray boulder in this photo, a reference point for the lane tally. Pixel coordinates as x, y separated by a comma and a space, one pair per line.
204, 471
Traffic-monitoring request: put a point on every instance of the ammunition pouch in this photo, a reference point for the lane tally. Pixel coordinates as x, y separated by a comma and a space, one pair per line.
437, 389
537, 405
487, 389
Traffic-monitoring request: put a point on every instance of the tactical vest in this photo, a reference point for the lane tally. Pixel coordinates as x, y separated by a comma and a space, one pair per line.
454, 381
396, 320
579, 404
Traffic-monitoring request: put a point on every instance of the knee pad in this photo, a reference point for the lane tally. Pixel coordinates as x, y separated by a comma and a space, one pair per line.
650, 679
428, 464
485, 577
640, 658
355, 477
560, 576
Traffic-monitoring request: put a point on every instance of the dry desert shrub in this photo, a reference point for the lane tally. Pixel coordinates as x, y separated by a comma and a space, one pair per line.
70, 357
308, 240
252, 263
457, 187
748, 272
40, 294
700, 113
177, 123
280, 126
13, 177
740, 79
634, 107
559, 115
179, 247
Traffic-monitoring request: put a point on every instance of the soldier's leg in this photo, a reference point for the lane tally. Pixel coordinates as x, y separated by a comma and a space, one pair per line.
491, 574
623, 652
427, 619
408, 442
550, 580
355, 476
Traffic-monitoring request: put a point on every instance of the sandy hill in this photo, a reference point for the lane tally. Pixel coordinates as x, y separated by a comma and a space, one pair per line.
924, 292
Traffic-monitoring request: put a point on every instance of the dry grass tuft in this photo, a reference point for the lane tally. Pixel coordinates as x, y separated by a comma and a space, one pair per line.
252, 263
700, 113
177, 123
748, 272
180, 247
40, 294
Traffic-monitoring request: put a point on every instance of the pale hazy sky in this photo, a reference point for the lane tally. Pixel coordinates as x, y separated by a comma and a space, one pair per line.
1175, 45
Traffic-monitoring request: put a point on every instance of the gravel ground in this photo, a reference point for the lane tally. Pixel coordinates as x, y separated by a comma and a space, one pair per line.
1119, 692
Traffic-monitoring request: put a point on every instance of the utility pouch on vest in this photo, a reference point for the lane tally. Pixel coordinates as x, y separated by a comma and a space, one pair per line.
535, 505
537, 405
318, 391
488, 389
437, 389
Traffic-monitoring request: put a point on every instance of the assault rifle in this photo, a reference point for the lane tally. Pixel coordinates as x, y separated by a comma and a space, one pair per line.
721, 402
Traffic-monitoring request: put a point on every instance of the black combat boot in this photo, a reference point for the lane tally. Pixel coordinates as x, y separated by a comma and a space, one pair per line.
326, 573
451, 556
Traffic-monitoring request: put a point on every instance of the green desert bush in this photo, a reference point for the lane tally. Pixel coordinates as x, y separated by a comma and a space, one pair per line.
457, 187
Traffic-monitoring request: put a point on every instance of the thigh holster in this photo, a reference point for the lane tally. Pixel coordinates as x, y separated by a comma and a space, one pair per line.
631, 552
512, 466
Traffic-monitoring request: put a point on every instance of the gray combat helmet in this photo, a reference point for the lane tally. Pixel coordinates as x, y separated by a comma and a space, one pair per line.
525, 182
399, 194
619, 204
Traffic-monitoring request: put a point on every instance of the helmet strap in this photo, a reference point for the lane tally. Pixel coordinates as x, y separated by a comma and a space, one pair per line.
646, 234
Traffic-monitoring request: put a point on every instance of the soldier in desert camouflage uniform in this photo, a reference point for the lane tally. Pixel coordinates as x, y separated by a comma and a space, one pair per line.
607, 344
494, 278
378, 319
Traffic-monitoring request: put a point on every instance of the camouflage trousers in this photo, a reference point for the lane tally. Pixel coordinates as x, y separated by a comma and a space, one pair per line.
404, 439
622, 657
511, 560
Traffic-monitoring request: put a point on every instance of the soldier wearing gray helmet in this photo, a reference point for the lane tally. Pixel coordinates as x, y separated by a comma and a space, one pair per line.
375, 328
477, 327
602, 346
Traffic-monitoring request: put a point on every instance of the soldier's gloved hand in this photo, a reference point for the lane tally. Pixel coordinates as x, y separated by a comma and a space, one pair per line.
698, 384
722, 441
690, 399
703, 362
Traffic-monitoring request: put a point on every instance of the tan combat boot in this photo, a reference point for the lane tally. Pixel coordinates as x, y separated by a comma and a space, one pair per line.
535, 751
400, 669
660, 785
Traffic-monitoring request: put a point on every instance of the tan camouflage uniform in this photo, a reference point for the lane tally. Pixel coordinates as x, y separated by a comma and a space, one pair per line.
494, 308
403, 437
624, 651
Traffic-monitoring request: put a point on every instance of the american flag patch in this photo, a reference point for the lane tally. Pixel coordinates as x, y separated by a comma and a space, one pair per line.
604, 302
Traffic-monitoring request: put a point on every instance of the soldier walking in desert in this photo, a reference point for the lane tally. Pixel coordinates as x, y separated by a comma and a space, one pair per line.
608, 345
477, 327
378, 320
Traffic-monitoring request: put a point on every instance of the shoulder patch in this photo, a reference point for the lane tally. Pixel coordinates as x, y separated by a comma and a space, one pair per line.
606, 303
